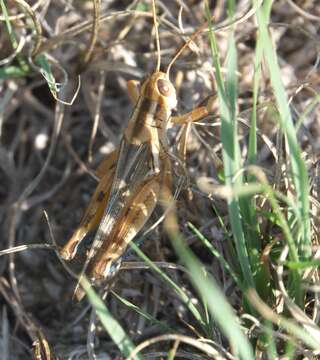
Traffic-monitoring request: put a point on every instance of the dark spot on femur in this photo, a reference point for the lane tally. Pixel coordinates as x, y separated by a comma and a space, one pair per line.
100, 196
164, 87
88, 219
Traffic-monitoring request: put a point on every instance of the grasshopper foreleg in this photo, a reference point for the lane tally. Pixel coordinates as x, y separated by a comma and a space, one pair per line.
133, 87
186, 120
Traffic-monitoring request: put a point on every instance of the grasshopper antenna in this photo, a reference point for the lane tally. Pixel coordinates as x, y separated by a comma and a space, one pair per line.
238, 20
155, 23
179, 52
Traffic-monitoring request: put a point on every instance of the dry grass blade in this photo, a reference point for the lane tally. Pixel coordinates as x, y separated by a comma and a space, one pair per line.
25, 247
304, 13
298, 314
34, 8
39, 341
292, 328
37, 26
94, 33
196, 343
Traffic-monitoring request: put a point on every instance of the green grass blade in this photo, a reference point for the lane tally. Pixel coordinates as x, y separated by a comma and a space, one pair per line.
217, 255
11, 33
114, 329
46, 71
299, 171
270, 344
24, 67
252, 149
217, 304
182, 295
143, 313
231, 152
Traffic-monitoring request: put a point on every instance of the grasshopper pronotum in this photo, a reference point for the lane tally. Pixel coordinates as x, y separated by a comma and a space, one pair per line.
136, 175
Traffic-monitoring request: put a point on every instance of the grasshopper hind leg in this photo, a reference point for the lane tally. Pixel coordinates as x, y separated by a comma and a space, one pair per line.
95, 208
133, 217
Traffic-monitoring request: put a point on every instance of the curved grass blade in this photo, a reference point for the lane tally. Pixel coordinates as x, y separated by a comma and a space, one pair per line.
114, 329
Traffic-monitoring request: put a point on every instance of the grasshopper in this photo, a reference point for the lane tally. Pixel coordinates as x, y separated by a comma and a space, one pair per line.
135, 176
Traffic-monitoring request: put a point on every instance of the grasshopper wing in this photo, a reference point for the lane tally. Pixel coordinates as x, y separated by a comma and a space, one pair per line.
132, 170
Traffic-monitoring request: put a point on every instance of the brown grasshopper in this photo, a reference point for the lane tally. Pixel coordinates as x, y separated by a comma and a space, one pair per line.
136, 175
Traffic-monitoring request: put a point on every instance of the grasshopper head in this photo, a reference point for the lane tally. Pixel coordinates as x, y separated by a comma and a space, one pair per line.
159, 88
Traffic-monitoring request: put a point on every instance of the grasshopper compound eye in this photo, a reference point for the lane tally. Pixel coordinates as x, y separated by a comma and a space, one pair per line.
165, 87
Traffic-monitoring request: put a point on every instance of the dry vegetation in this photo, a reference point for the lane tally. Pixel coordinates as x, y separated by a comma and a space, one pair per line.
49, 150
